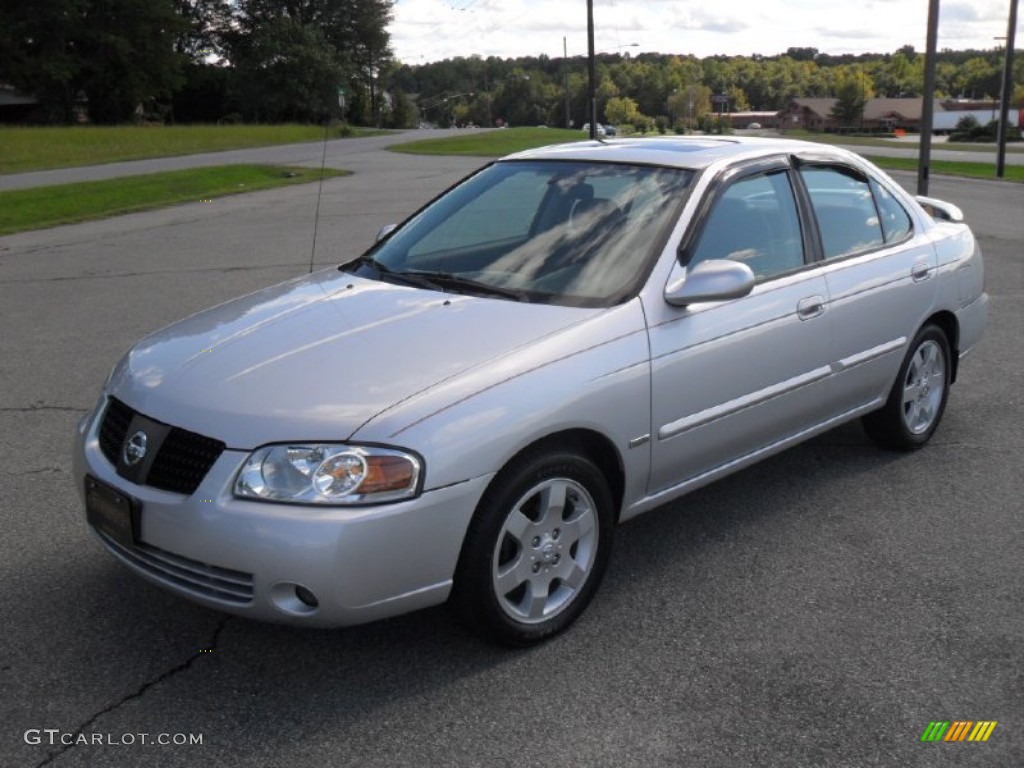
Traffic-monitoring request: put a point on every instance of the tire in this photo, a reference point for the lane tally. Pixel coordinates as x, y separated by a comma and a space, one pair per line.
918, 397
536, 549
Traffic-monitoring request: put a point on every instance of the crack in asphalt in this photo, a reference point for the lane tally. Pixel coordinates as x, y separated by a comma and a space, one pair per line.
42, 407
35, 472
184, 666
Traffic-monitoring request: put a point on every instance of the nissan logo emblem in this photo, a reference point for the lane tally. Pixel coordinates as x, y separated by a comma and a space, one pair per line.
134, 449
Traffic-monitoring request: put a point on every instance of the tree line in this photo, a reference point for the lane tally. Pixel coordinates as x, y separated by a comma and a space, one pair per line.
116, 61
197, 60
663, 90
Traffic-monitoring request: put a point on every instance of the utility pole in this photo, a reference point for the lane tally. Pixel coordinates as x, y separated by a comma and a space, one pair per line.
565, 81
928, 107
1004, 106
590, 69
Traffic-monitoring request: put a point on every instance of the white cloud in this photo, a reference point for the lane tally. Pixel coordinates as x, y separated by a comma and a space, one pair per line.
428, 30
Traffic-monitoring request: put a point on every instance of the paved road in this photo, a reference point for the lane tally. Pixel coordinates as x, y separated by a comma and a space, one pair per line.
817, 610
350, 154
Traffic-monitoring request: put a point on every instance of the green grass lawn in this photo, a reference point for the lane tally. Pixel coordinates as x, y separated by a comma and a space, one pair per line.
42, 148
950, 168
490, 143
41, 207
865, 141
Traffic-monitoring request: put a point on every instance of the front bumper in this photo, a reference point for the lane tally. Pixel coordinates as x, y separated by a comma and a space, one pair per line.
249, 557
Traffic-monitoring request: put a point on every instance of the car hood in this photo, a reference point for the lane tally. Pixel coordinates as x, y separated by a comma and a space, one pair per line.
315, 358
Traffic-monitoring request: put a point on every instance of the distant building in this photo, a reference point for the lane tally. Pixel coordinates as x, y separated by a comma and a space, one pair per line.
810, 114
14, 105
888, 114
879, 114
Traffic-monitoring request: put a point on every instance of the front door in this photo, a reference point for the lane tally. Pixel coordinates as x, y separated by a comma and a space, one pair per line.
732, 377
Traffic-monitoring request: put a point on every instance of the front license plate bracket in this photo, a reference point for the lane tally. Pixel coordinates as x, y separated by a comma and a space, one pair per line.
111, 512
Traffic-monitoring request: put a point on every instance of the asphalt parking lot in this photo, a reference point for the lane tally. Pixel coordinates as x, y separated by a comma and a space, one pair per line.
819, 609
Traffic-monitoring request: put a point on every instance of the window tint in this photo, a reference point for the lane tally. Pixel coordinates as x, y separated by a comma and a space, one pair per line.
896, 222
754, 221
504, 211
845, 210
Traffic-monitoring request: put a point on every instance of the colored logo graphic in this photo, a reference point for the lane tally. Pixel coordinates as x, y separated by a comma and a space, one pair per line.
958, 730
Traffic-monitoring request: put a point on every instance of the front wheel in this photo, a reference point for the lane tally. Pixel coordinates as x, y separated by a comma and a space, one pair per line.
917, 400
536, 549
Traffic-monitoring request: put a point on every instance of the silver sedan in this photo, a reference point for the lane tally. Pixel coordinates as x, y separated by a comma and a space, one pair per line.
568, 338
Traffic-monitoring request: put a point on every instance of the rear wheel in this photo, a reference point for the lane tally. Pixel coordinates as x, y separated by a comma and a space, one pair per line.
536, 550
917, 400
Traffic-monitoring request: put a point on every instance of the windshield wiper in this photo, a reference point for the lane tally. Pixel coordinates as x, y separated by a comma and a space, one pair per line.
386, 272
435, 281
461, 284
365, 259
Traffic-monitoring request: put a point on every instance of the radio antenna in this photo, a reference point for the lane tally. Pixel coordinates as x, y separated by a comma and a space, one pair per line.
319, 193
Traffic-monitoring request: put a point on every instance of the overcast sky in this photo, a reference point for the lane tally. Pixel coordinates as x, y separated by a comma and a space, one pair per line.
429, 30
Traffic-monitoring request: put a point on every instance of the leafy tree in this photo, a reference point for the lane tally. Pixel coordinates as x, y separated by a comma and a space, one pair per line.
127, 56
285, 70
205, 23
118, 54
622, 111
738, 99
37, 53
403, 112
205, 96
978, 77
606, 91
901, 75
802, 54
519, 99
291, 56
849, 106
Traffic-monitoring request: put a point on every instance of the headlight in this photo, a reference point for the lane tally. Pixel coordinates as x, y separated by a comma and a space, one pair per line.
328, 474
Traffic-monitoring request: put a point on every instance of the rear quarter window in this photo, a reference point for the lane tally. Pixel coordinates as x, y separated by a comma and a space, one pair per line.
896, 222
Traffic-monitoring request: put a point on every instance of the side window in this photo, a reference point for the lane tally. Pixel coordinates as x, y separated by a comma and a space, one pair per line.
896, 224
754, 221
845, 210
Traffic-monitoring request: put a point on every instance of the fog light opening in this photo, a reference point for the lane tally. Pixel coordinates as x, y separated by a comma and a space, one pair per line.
306, 597
294, 599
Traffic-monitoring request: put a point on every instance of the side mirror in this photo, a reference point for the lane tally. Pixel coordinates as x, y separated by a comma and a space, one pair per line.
711, 280
386, 230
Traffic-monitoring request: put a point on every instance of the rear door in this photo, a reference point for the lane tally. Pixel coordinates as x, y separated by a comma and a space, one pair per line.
880, 276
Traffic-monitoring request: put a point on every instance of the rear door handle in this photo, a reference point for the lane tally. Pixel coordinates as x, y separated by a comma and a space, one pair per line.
921, 270
811, 306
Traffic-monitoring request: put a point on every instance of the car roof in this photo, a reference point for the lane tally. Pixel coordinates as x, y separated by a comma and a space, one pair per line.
695, 152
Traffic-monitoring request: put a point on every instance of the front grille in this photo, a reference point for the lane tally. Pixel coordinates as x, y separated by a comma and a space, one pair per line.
199, 578
114, 429
181, 461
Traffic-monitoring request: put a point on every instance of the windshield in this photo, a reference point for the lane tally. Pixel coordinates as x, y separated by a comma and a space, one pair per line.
574, 233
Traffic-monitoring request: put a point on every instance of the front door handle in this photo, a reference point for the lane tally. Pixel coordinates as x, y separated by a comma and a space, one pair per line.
811, 306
